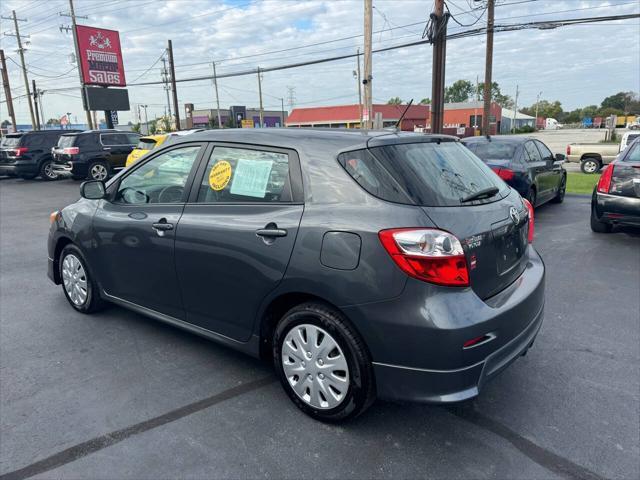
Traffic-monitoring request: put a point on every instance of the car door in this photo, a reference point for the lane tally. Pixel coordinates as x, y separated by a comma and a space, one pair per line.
538, 171
553, 169
118, 147
134, 230
236, 234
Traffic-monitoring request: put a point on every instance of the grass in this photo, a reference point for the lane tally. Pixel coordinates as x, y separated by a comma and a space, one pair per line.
578, 182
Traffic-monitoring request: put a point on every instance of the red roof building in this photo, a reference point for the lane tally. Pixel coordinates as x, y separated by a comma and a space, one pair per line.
348, 116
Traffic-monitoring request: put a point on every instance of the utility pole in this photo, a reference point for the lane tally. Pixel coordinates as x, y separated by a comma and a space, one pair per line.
72, 14
475, 108
215, 84
24, 68
165, 79
172, 69
357, 72
488, 68
291, 93
537, 104
35, 104
439, 21
44, 122
7, 91
515, 110
282, 106
146, 119
368, 91
260, 94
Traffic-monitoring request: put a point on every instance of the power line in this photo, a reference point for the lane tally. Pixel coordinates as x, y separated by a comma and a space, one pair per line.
149, 69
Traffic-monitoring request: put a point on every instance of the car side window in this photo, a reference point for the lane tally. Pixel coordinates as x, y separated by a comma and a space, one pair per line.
35, 140
160, 180
113, 139
239, 175
532, 153
132, 138
84, 140
544, 151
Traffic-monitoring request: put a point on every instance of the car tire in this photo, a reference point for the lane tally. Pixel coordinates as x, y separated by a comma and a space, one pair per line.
590, 165
47, 172
338, 394
98, 171
531, 197
559, 198
78, 285
599, 226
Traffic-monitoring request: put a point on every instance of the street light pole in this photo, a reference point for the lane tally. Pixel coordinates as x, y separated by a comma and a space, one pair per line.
537, 104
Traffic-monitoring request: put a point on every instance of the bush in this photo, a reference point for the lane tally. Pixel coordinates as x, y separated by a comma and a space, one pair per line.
525, 129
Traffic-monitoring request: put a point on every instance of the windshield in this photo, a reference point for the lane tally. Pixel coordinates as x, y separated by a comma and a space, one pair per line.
494, 150
426, 174
11, 141
146, 144
66, 141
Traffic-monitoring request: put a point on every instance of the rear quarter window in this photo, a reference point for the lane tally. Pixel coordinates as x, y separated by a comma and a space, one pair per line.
11, 141
66, 141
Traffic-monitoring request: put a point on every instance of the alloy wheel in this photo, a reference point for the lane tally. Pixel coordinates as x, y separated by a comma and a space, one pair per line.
74, 279
315, 366
49, 172
98, 172
590, 166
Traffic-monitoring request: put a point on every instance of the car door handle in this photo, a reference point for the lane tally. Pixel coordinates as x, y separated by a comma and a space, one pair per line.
271, 232
161, 227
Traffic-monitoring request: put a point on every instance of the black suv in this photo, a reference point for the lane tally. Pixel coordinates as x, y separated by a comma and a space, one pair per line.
93, 154
28, 154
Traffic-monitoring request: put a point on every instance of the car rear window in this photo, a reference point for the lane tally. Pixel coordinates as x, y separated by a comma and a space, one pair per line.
634, 153
146, 144
66, 141
425, 174
493, 150
11, 140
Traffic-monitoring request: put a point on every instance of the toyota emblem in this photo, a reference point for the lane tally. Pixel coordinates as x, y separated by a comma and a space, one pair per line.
514, 215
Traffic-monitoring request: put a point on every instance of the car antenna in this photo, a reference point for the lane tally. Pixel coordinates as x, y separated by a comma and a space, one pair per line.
403, 114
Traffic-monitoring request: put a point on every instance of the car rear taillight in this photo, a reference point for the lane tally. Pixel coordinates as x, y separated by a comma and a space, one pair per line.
19, 151
568, 150
604, 184
527, 204
429, 255
504, 173
70, 151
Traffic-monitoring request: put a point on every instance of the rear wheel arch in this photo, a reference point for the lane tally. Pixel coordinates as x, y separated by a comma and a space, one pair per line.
279, 306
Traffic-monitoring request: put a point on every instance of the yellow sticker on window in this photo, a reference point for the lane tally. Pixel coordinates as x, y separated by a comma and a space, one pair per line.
220, 175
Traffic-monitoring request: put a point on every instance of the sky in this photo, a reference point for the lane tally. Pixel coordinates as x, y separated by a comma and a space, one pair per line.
577, 65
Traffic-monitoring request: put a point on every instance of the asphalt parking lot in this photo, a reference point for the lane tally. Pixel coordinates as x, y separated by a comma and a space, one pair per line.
117, 395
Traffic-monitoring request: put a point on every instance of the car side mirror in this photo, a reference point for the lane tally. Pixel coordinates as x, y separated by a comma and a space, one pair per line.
560, 157
93, 190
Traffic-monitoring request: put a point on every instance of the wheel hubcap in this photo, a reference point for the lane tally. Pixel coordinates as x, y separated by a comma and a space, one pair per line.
48, 171
98, 172
590, 166
322, 380
74, 279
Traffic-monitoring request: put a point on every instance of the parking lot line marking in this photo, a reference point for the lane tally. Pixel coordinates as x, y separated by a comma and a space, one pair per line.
543, 457
86, 448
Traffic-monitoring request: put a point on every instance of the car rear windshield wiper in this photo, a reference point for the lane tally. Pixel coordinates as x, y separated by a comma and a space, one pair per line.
484, 193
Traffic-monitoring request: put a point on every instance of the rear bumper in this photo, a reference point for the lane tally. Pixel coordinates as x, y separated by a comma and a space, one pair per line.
77, 169
416, 340
616, 209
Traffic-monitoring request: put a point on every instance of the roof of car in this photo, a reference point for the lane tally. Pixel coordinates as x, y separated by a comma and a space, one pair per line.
498, 138
334, 139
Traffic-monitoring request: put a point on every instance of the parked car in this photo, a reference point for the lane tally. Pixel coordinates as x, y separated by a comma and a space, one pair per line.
144, 146
627, 139
28, 154
525, 163
616, 198
362, 264
93, 154
593, 156
150, 142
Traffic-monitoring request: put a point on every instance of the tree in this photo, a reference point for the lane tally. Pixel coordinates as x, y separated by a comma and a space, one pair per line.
151, 126
589, 111
53, 121
618, 101
546, 109
229, 122
213, 122
136, 127
395, 101
504, 101
459, 91
425, 101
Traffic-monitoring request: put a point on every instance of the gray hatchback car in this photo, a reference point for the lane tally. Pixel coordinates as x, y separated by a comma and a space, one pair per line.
363, 264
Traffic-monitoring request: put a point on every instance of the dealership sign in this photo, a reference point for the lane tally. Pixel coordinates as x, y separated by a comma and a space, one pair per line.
100, 56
